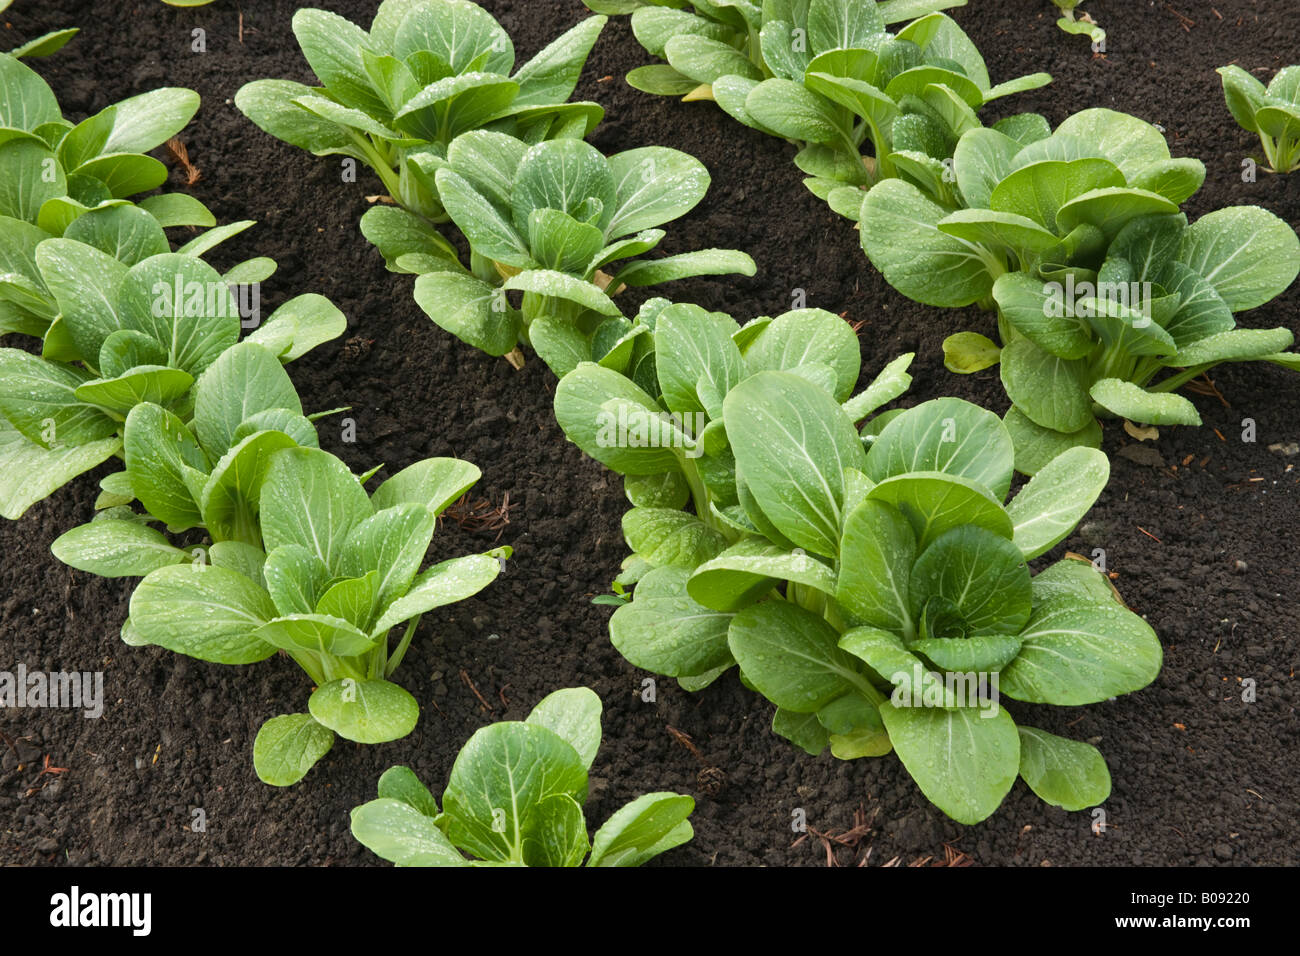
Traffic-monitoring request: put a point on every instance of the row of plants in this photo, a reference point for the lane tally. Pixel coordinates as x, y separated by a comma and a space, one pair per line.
249, 539
862, 569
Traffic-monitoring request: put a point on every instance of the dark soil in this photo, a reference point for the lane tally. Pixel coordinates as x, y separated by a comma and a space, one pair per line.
1200, 526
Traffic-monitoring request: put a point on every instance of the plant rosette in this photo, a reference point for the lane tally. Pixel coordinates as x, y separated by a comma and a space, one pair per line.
883, 600
301, 559
515, 798
1272, 112
1099, 282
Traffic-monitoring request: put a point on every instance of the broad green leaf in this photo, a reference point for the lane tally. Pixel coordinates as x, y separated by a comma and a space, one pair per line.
692, 345
654, 26
1128, 142
1081, 654
806, 336
310, 498
459, 34
1110, 209
1049, 390
749, 569
891, 382
584, 411
500, 776
984, 227
401, 783
979, 654
791, 656
651, 824
367, 711
469, 309
555, 833
116, 549
793, 443
295, 579
166, 465
299, 325
551, 75
1058, 496
666, 632
1037, 310
802, 730
968, 352
1175, 179
84, 281
145, 383
178, 209
982, 159
876, 555
244, 380
965, 760
321, 633
668, 538
1247, 253
127, 233
934, 503
566, 175
203, 611
445, 583
183, 304
981, 574
900, 235
1135, 403
660, 79
573, 715
948, 435
26, 101
272, 106
400, 833
32, 176
1040, 190
793, 112
39, 398
488, 231
332, 45
287, 747
653, 185
391, 544
686, 265
145, 121
1065, 773
1245, 95
704, 60
548, 282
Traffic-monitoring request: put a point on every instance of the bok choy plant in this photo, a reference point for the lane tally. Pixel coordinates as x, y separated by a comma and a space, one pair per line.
515, 798
829, 76
1100, 284
652, 409
394, 97
301, 558
881, 596
1272, 112
543, 223
117, 336
54, 174
1080, 24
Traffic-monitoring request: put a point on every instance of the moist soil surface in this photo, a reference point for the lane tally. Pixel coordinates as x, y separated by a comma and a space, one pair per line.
1198, 527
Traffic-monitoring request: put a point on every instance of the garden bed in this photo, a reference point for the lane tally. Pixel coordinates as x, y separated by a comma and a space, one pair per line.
1199, 526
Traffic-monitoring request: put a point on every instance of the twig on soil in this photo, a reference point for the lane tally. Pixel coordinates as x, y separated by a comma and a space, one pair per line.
710, 779
470, 684
1149, 534
176, 149
850, 838
1205, 386
502, 694
1186, 22
480, 514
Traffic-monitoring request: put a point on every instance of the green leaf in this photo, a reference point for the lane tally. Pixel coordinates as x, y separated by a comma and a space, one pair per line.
967, 352
433, 482
551, 75
651, 824
272, 106
876, 555
686, 265
981, 653
207, 612
295, 579
547, 282
1041, 189
948, 435
791, 656
287, 747
588, 402
793, 112
934, 503
1037, 310
654, 26
26, 102
178, 209
1137, 404
669, 538
749, 569
693, 347
843, 24
244, 380
1065, 773
469, 309
660, 79
1248, 254
803, 337
367, 711
981, 160
1036, 446
1049, 390
1245, 95
84, 282
400, 833
143, 122
299, 325
1175, 179
39, 398
704, 60
964, 760
1128, 142
332, 46
444, 583
1056, 499
891, 382
401, 783
115, 549
982, 575
310, 498
573, 715
802, 730
900, 235
653, 185
793, 442
458, 34
127, 233
1075, 654
500, 777
317, 633
666, 632
166, 465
